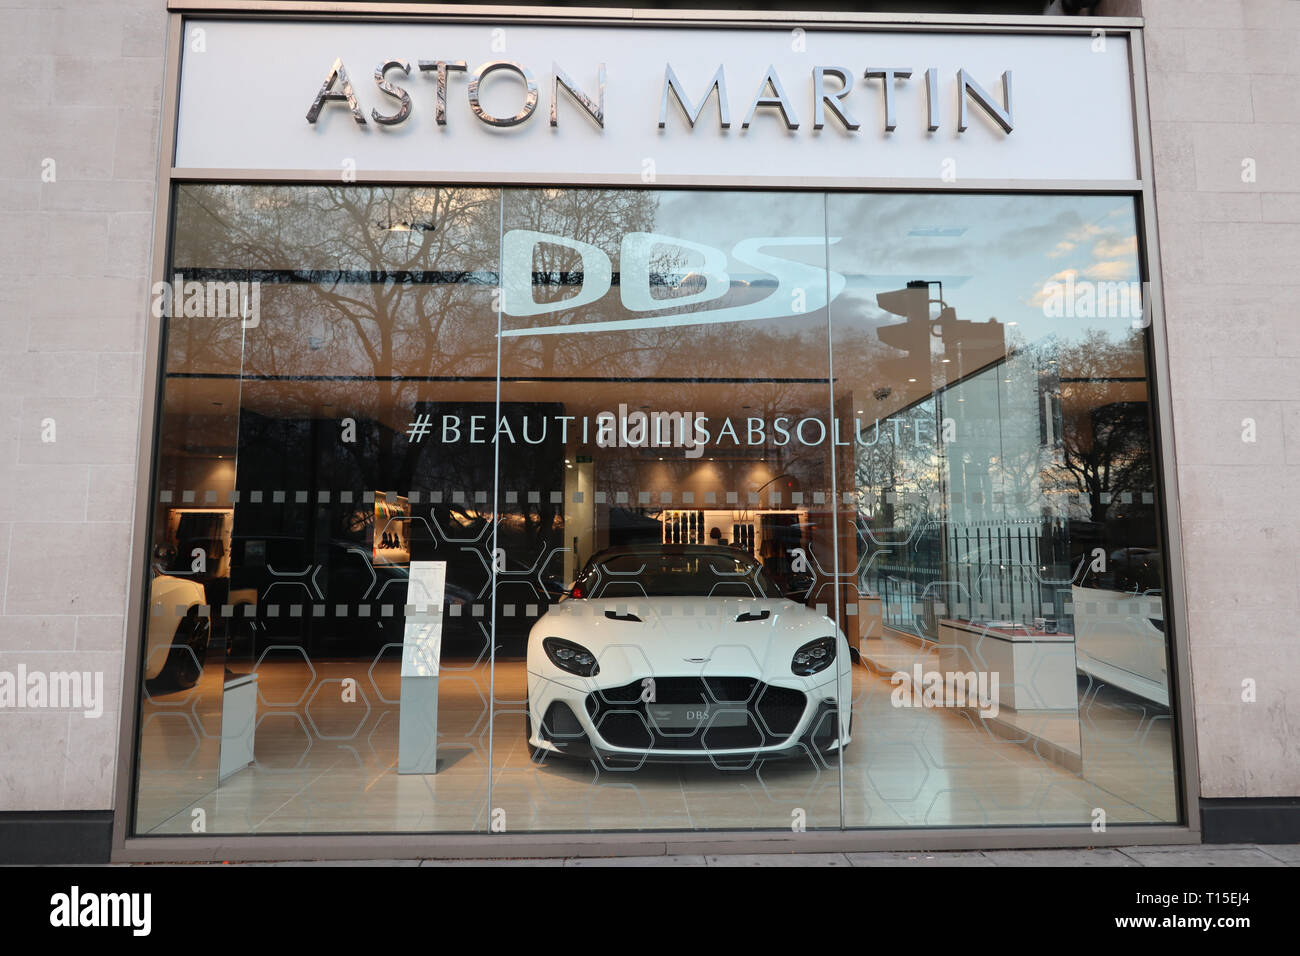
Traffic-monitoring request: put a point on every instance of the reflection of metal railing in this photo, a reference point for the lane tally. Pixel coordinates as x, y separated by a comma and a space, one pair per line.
1002, 566
906, 598
984, 570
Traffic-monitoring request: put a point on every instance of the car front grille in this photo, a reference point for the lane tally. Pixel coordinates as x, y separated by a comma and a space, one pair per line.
744, 714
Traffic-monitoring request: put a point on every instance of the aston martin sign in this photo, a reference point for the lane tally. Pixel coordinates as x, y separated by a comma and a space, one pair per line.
828, 98
619, 104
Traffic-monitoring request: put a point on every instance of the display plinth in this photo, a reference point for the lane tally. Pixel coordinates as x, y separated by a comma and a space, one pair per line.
417, 725
238, 721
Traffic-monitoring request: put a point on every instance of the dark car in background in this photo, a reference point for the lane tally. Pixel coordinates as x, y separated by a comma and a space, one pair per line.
332, 599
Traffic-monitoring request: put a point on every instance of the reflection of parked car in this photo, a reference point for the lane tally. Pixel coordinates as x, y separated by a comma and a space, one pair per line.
176, 644
681, 652
1119, 624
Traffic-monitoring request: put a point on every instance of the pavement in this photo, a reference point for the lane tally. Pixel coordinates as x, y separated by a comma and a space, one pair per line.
1251, 855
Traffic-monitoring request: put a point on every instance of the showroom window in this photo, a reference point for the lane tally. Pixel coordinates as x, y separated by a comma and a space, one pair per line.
581, 509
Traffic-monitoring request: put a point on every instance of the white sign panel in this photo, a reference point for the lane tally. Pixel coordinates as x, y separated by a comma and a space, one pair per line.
654, 105
422, 639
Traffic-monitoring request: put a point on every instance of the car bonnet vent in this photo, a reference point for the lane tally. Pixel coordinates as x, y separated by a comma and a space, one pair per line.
748, 616
619, 616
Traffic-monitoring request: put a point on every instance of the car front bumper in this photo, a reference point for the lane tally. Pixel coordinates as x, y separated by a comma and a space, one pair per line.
745, 719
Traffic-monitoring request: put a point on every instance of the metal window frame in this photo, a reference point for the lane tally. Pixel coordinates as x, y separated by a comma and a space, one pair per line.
128, 847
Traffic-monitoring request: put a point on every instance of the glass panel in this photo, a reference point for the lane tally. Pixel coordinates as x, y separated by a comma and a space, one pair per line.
185, 642
668, 344
367, 303
580, 509
1008, 585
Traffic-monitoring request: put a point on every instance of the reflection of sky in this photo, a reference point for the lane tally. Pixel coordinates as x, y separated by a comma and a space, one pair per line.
993, 253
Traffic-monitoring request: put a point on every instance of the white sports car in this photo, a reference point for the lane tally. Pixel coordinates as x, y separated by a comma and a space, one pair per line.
685, 652
176, 647
1119, 638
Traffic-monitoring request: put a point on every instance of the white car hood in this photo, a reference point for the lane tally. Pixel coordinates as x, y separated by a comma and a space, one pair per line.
685, 636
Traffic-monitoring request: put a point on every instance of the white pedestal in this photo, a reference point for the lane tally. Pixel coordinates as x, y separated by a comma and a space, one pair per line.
1038, 698
238, 721
417, 726
1036, 671
871, 620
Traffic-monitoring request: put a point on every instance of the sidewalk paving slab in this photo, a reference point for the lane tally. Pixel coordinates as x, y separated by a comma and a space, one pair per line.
637, 861
1204, 856
780, 859
1287, 853
1102, 856
955, 858
1191, 855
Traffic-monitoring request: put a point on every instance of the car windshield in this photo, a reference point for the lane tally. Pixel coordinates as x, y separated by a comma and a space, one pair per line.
719, 574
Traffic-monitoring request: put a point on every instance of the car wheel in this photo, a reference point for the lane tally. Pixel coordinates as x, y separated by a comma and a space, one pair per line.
188, 654
241, 634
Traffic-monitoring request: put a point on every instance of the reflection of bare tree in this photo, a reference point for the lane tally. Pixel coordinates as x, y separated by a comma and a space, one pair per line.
1106, 442
770, 368
896, 470
377, 304
598, 217
364, 289
602, 218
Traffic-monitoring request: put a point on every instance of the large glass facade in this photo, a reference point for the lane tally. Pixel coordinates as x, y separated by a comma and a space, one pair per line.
522, 510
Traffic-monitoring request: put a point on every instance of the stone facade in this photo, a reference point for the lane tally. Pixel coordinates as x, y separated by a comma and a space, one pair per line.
78, 164
78, 170
1224, 85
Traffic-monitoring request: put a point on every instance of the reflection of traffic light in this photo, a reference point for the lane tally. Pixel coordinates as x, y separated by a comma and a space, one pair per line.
912, 336
966, 345
972, 345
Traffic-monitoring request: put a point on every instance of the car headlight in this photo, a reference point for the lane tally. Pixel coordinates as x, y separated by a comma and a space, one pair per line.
571, 657
813, 657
